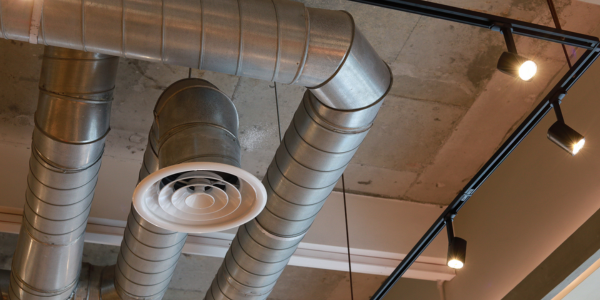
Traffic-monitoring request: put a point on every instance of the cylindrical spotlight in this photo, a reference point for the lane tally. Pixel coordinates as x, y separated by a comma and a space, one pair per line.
517, 66
566, 137
457, 251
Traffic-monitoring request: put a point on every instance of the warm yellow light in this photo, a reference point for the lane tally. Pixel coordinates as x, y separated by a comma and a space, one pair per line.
578, 146
455, 264
527, 70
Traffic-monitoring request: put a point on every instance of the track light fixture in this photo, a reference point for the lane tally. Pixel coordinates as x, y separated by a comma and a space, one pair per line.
512, 63
563, 135
457, 247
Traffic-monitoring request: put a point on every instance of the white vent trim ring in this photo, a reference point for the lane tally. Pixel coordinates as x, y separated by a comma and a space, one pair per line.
197, 199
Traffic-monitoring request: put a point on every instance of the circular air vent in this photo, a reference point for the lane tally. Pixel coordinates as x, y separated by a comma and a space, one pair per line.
199, 197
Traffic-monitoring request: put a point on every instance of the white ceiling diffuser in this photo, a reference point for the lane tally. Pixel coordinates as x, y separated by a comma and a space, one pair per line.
199, 197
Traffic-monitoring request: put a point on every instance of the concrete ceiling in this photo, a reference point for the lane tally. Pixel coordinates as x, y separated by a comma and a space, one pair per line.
447, 111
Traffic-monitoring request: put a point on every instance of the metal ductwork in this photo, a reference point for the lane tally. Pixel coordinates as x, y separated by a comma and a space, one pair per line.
147, 259
71, 124
196, 172
275, 40
315, 151
196, 134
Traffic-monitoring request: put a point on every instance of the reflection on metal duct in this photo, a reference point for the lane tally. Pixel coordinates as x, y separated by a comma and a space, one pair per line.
194, 122
275, 40
315, 151
71, 124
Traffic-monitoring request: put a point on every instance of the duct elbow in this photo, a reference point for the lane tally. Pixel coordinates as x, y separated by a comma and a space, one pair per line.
361, 78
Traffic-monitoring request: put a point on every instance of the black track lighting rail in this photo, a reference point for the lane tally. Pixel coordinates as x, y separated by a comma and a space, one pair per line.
590, 43
484, 20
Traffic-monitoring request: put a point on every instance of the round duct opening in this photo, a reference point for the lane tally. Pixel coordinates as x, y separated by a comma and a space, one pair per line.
199, 197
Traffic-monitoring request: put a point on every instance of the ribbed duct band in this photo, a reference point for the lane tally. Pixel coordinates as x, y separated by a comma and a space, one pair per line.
275, 40
317, 147
147, 259
71, 124
194, 122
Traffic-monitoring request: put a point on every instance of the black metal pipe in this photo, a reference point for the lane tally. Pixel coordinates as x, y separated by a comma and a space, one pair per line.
489, 21
510, 41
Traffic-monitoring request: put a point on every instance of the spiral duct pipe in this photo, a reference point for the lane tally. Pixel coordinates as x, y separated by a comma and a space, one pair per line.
315, 151
275, 40
194, 122
71, 124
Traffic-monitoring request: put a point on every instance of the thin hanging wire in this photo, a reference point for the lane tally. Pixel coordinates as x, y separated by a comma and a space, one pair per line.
277, 106
347, 237
557, 24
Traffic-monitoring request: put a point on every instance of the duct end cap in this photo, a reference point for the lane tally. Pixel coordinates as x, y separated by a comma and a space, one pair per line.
199, 197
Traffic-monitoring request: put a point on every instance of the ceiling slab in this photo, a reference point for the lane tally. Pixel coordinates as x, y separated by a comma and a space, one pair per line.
438, 126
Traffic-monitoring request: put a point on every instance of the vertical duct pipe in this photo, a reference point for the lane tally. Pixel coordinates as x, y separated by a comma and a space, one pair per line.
314, 153
71, 124
327, 129
194, 122
147, 259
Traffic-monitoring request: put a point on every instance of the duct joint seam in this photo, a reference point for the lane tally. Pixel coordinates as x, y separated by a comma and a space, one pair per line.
306, 46
36, 18
175, 130
278, 237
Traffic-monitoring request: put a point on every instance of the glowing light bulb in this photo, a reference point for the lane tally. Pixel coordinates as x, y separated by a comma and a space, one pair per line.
455, 264
566, 137
527, 70
578, 146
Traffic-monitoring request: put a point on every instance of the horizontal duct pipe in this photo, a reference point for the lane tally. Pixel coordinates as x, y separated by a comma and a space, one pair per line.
71, 124
315, 151
194, 122
275, 40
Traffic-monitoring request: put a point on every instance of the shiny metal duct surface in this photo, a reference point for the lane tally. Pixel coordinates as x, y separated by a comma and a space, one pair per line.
275, 40
193, 122
71, 124
315, 151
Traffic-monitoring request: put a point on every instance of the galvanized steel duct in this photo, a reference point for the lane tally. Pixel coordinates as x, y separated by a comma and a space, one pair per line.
194, 122
315, 151
71, 124
275, 40
147, 259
